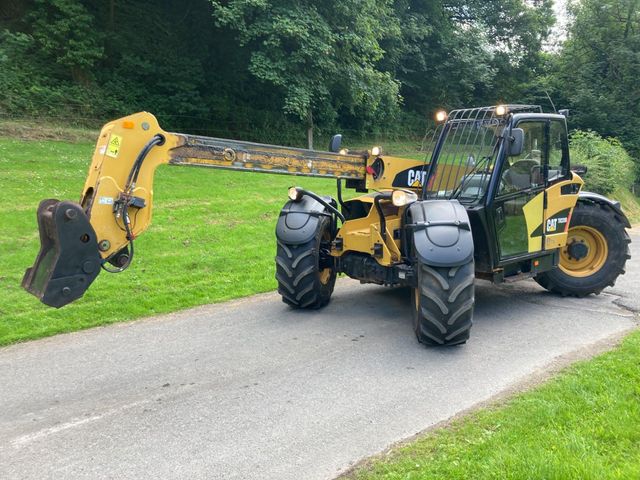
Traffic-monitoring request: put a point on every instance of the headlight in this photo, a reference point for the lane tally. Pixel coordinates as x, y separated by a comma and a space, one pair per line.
501, 110
375, 151
295, 194
400, 198
441, 116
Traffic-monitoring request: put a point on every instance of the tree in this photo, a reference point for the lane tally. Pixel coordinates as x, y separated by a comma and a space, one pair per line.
64, 32
453, 53
321, 56
599, 68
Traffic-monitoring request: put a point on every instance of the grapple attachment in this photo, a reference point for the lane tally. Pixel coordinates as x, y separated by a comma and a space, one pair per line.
69, 260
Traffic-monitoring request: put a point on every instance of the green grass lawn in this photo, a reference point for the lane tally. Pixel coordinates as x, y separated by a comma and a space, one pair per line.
212, 239
584, 424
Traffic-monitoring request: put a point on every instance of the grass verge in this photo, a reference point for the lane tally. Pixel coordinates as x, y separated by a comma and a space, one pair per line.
584, 424
212, 239
630, 204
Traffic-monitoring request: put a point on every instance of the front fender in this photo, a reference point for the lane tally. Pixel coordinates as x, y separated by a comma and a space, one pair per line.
441, 233
298, 221
601, 199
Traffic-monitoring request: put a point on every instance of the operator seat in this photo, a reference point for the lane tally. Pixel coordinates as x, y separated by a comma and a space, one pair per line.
518, 176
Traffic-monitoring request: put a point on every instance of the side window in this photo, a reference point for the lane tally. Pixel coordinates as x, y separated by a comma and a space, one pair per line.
525, 171
557, 152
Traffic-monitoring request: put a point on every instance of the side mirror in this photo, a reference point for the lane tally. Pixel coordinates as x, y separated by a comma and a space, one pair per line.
335, 143
516, 142
580, 170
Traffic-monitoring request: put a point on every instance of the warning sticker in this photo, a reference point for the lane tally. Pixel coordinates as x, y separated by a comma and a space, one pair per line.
115, 142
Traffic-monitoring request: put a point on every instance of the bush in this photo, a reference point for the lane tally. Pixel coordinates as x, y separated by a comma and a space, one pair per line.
609, 165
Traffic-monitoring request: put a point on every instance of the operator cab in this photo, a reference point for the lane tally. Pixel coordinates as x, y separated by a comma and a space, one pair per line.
500, 163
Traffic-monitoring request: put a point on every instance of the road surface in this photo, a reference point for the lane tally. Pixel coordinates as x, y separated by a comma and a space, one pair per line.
250, 389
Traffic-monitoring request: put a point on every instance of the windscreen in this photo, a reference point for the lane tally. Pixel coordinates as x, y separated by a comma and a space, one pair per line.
465, 155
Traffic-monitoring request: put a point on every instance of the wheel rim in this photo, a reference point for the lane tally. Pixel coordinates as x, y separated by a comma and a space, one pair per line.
592, 251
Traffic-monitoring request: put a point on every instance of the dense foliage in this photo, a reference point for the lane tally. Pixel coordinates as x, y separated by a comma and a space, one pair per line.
276, 70
597, 72
266, 68
608, 163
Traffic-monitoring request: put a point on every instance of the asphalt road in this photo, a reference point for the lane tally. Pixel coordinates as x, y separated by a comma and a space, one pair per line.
250, 389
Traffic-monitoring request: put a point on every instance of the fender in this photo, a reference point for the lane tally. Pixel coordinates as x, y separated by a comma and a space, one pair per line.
602, 200
441, 233
299, 221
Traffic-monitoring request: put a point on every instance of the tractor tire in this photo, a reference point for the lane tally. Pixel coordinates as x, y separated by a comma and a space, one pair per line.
443, 304
306, 273
598, 237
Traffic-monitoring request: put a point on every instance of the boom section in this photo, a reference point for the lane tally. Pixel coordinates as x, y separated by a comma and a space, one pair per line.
257, 157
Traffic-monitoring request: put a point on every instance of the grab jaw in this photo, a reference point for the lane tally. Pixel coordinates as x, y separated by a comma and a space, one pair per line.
69, 260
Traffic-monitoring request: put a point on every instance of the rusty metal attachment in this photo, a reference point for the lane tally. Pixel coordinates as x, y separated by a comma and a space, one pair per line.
68, 261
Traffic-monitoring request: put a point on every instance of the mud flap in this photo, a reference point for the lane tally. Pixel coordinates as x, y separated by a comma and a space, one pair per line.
69, 260
441, 233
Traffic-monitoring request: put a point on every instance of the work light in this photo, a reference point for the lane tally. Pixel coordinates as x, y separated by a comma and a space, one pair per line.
400, 198
441, 116
295, 194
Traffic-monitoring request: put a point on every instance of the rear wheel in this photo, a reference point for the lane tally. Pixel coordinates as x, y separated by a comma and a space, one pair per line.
306, 273
595, 255
443, 304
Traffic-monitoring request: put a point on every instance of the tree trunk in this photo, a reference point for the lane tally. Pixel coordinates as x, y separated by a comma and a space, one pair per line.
310, 130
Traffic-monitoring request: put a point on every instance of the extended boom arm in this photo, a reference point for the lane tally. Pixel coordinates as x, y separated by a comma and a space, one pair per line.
116, 204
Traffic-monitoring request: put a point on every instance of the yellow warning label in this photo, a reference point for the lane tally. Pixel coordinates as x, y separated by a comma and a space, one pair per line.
115, 142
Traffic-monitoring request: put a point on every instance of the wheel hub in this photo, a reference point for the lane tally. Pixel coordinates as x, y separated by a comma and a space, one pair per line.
586, 252
578, 250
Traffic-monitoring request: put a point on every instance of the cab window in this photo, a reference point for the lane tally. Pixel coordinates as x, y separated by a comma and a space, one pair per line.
558, 160
525, 171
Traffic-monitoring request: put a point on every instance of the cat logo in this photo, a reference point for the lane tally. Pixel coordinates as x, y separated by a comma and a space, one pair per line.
415, 178
552, 224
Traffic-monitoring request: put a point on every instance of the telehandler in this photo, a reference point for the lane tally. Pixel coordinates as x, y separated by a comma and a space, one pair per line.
496, 200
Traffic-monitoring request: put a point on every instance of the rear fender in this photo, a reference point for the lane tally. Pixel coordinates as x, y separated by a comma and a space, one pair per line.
441, 233
299, 221
602, 200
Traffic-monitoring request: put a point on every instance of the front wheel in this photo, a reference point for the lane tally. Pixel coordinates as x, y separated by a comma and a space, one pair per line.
306, 273
443, 304
595, 254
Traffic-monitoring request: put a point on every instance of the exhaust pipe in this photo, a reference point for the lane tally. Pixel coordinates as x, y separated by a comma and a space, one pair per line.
69, 260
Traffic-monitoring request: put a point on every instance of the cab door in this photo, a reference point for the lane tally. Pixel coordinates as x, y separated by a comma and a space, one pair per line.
562, 187
518, 206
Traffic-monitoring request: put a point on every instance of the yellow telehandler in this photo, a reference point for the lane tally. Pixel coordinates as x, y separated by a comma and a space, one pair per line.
497, 199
